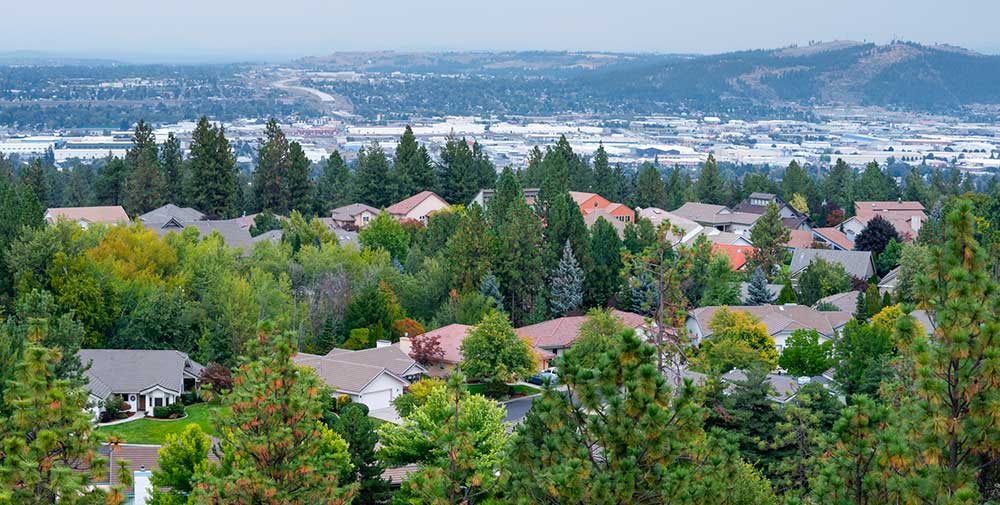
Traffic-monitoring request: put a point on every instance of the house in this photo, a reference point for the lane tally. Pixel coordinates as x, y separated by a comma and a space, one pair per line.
143, 379
834, 238
232, 231
374, 385
890, 281
780, 320
737, 254
385, 355
858, 264
84, 216
557, 335
784, 387
688, 228
719, 217
418, 206
845, 302
590, 202
590, 219
450, 339
170, 212
800, 239
484, 196
757, 203
724, 237
356, 215
906, 217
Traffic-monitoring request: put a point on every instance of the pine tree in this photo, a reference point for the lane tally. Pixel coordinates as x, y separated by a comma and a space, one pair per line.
769, 237
110, 185
298, 185
145, 185
566, 284
490, 288
675, 189
48, 436
650, 437
795, 181
464, 170
270, 183
172, 162
604, 277
564, 221
336, 185
358, 430
555, 177
212, 187
711, 186
721, 286
413, 170
649, 187
471, 251
839, 185
861, 307
787, 294
372, 177
276, 448
605, 183
519, 263
19, 210
757, 291
34, 179
876, 185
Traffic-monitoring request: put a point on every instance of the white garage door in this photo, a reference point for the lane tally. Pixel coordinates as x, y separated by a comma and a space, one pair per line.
378, 399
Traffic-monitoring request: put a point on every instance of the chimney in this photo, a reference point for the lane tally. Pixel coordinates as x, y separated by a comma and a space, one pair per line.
142, 486
382, 343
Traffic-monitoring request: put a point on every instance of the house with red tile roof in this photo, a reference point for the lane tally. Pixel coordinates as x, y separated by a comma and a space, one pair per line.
591, 202
418, 206
737, 254
84, 216
834, 238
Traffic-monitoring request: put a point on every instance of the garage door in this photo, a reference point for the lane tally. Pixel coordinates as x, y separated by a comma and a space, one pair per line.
378, 399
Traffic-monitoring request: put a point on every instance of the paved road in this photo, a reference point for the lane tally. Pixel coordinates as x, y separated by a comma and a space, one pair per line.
518, 408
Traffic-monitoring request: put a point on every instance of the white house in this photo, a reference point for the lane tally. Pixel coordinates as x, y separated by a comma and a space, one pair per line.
143, 379
374, 377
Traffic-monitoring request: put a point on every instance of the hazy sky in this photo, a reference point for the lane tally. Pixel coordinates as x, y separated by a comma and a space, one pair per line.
228, 29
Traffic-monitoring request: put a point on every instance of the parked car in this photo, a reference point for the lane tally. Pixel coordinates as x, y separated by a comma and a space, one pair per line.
548, 376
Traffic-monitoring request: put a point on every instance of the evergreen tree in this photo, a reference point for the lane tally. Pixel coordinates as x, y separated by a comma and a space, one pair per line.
650, 437
721, 286
757, 291
675, 189
839, 185
413, 170
212, 187
494, 352
276, 448
795, 181
464, 170
711, 186
490, 288
649, 187
358, 430
145, 184
299, 187
555, 176
787, 294
769, 237
34, 179
564, 221
519, 263
110, 185
172, 163
604, 277
336, 185
604, 182
48, 437
799, 439
639, 235
876, 185
471, 251
372, 177
566, 284
19, 210
270, 182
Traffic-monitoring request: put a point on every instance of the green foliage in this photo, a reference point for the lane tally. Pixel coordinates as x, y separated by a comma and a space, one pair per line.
796, 450
519, 262
19, 208
721, 284
464, 170
863, 356
730, 327
914, 262
212, 185
264, 222
597, 336
757, 290
358, 430
386, 233
889, 258
805, 355
46, 437
273, 443
639, 235
183, 456
298, 187
335, 187
839, 185
647, 433
876, 185
710, 186
787, 294
604, 277
413, 169
372, 177
770, 237
146, 184
564, 221
821, 279
471, 250
493, 351
649, 187
374, 309
566, 284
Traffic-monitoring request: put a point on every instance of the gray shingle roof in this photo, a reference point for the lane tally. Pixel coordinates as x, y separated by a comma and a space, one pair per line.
390, 357
343, 375
132, 371
233, 234
779, 318
171, 211
857, 263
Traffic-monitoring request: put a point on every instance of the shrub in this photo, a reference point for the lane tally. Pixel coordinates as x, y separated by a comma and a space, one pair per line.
190, 398
173, 411
219, 377
114, 407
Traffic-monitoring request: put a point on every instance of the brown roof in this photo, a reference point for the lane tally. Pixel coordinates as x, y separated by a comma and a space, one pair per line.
705, 213
580, 197
397, 475
779, 318
450, 339
871, 208
139, 456
562, 332
836, 236
799, 239
846, 302
109, 214
347, 212
590, 219
405, 206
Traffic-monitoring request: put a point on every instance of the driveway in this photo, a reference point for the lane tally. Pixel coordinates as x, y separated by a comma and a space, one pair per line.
518, 408
387, 414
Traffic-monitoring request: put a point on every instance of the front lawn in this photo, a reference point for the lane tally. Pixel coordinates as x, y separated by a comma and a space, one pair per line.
512, 389
150, 431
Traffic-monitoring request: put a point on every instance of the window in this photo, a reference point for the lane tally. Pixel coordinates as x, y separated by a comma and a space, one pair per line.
157, 402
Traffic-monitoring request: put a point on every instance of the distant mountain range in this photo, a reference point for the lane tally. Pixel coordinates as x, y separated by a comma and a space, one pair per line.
900, 75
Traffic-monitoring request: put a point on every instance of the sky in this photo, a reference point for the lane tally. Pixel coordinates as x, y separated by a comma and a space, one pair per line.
227, 30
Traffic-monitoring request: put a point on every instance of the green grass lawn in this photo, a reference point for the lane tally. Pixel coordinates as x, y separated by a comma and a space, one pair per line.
149, 431
520, 389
